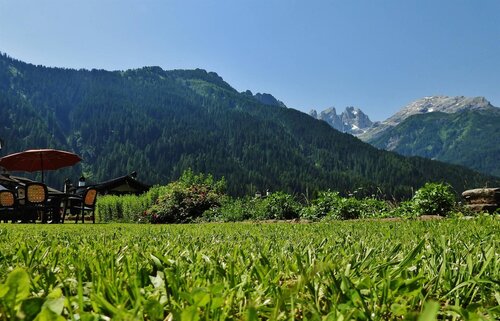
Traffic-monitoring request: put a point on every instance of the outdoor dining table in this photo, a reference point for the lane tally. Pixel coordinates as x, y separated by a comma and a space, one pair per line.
59, 200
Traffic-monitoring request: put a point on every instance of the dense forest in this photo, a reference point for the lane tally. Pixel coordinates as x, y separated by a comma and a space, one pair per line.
160, 123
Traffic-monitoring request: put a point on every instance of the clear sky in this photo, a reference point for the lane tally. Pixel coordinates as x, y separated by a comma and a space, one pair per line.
375, 55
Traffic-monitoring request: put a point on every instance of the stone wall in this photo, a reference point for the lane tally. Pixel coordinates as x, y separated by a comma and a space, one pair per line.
482, 199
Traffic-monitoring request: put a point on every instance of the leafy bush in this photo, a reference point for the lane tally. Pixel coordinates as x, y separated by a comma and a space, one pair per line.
231, 210
434, 199
373, 208
333, 206
279, 206
322, 206
353, 208
187, 199
405, 209
346, 209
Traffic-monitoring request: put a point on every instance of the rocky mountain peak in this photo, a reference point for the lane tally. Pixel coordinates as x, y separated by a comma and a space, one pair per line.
266, 99
444, 104
352, 120
355, 118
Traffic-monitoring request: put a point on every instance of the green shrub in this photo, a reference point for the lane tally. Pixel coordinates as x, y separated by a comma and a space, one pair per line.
405, 209
277, 206
322, 206
346, 209
373, 208
280, 206
351, 208
434, 199
230, 210
332, 206
187, 199
309, 213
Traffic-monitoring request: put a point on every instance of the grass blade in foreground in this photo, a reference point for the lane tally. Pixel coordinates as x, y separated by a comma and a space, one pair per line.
352, 270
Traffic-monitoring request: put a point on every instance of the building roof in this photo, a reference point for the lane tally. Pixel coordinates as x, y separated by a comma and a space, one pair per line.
122, 185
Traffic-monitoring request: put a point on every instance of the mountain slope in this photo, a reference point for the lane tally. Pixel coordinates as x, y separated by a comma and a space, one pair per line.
458, 130
469, 138
430, 104
160, 123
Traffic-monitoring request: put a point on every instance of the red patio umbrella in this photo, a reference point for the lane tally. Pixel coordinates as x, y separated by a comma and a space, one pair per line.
39, 160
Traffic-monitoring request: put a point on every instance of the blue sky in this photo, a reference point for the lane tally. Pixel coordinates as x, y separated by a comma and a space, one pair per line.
375, 55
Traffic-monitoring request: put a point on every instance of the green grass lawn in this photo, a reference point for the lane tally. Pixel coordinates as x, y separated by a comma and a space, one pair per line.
363, 270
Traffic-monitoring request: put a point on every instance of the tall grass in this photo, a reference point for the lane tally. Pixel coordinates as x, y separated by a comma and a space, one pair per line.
126, 208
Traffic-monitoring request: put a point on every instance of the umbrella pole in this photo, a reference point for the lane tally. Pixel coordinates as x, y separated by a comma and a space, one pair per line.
41, 162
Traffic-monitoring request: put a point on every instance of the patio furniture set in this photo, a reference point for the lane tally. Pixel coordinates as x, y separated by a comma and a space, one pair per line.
25, 200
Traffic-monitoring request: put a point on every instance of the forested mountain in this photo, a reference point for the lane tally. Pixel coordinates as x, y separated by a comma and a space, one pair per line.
160, 123
468, 138
458, 130
426, 105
